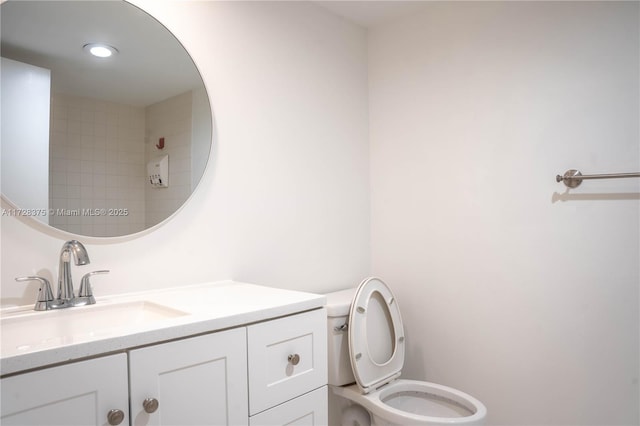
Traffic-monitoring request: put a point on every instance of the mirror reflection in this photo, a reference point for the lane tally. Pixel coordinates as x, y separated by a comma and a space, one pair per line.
93, 145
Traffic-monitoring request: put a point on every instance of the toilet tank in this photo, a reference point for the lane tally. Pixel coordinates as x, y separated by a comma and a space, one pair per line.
338, 305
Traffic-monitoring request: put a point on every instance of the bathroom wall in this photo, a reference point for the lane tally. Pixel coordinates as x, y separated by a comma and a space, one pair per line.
97, 162
284, 201
169, 119
25, 87
512, 288
200, 129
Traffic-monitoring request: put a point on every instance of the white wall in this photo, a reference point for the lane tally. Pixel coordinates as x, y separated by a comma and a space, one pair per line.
200, 128
25, 135
512, 289
285, 200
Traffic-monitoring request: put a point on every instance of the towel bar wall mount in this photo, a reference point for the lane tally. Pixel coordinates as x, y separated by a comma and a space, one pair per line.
573, 178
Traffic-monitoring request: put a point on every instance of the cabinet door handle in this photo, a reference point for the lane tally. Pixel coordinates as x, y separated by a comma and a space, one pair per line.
294, 359
150, 405
115, 417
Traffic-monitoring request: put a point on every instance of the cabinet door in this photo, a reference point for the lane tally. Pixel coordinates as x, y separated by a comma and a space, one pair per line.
197, 381
81, 393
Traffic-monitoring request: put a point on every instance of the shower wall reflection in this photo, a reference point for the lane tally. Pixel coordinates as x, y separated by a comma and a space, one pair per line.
98, 156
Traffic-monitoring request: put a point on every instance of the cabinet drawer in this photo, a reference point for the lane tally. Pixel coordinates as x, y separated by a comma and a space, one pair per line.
307, 410
287, 357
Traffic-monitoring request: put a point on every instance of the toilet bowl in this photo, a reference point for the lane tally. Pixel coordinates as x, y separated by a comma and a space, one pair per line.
366, 356
412, 402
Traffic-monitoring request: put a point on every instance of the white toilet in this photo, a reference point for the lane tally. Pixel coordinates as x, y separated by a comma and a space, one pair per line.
366, 347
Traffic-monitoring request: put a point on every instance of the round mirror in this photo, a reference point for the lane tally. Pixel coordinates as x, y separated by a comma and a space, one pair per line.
106, 124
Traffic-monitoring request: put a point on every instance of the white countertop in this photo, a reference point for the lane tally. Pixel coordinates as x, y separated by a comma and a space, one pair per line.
202, 308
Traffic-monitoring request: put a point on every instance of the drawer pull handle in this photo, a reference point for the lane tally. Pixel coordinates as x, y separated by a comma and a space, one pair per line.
150, 405
115, 417
294, 359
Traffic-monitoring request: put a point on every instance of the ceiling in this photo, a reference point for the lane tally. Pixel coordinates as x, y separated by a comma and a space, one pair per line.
372, 13
151, 65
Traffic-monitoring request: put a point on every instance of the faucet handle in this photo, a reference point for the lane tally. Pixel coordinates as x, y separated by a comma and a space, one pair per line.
45, 294
86, 291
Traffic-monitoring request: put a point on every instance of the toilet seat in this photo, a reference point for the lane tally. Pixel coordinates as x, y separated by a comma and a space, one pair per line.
376, 345
375, 359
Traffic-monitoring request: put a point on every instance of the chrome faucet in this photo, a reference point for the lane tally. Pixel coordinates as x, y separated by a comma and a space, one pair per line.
65, 283
66, 296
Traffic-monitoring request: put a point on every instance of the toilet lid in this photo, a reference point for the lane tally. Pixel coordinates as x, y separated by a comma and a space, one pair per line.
376, 335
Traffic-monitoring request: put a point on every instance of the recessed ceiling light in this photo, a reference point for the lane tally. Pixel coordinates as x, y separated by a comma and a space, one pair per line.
100, 50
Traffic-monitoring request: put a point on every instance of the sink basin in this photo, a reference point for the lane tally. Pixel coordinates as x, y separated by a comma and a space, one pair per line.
25, 332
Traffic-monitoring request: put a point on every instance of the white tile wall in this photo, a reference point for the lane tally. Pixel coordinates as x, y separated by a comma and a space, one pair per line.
96, 162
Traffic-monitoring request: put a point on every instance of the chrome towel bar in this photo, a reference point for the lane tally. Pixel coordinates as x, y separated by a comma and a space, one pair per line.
572, 178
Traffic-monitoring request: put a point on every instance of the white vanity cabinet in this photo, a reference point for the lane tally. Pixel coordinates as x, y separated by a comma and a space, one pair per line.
193, 381
196, 381
78, 394
272, 372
